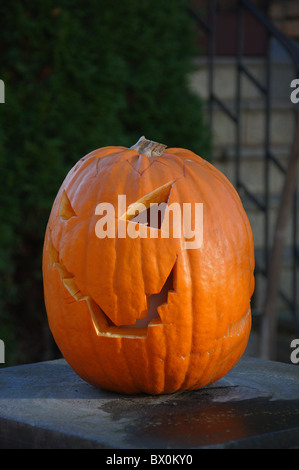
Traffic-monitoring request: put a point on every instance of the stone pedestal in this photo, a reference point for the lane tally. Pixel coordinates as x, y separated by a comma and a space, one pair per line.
46, 405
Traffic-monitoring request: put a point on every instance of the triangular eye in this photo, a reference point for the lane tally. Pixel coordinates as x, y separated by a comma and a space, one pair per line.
65, 208
151, 208
53, 253
153, 216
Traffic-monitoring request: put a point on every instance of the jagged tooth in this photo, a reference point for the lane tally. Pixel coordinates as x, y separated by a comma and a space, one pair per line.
63, 272
73, 289
53, 253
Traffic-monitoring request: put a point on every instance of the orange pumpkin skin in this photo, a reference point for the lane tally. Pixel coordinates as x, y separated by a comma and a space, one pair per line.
93, 287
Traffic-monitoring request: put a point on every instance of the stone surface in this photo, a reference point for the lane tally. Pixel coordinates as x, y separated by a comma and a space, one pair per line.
46, 405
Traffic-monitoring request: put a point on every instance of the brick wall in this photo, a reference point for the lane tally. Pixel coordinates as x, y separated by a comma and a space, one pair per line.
285, 15
255, 36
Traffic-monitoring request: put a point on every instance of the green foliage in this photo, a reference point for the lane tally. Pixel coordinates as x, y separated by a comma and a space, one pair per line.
78, 76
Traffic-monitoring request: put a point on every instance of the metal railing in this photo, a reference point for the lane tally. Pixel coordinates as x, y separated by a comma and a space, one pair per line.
260, 202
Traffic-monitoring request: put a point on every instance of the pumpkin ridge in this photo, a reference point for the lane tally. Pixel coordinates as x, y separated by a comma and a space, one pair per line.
242, 214
118, 157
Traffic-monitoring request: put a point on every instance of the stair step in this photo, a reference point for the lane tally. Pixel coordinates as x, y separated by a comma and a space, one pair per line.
286, 287
224, 154
225, 77
252, 172
252, 167
282, 126
257, 222
252, 101
288, 258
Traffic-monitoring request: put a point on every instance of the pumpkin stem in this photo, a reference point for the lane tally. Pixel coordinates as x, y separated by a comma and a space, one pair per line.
149, 147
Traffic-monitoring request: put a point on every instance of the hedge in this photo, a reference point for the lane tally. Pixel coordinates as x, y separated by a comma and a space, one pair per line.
78, 75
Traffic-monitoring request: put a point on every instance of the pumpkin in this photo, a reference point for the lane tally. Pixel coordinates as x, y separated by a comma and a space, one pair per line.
148, 313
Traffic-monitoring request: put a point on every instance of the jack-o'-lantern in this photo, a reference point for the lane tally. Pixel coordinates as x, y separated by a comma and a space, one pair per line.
132, 306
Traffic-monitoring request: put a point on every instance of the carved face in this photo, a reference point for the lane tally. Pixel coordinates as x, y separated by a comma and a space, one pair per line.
130, 305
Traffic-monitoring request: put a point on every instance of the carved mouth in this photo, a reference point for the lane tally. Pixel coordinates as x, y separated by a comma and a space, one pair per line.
102, 323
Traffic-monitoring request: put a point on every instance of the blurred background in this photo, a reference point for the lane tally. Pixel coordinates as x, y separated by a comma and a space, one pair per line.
210, 76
